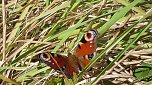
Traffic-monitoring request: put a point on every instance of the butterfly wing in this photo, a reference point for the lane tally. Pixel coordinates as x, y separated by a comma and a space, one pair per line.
73, 63
86, 47
53, 60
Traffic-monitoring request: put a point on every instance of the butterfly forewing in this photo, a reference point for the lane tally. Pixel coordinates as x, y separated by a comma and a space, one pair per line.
86, 47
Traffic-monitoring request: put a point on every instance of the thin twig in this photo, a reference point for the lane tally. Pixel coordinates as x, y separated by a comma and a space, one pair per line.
4, 29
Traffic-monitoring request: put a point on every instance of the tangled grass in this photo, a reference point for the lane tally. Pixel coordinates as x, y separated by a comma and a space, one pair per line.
31, 27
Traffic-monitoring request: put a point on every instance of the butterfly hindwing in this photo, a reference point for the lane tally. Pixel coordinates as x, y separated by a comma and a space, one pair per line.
53, 60
68, 65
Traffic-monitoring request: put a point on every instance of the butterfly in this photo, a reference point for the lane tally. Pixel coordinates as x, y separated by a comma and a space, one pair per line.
73, 63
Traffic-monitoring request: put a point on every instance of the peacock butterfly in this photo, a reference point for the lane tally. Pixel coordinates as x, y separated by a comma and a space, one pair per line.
84, 52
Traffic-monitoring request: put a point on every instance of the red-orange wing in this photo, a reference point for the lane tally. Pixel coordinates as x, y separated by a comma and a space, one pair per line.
86, 47
68, 65
53, 60
73, 63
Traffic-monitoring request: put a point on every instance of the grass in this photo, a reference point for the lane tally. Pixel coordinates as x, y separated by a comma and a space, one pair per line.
33, 27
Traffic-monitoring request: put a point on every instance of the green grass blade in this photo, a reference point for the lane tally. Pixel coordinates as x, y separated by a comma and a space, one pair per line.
17, 26
31, 73
137, 9
8, 80
44, 14
117, 16
72, 28
73, 6
49, 38
12, 68
47, 2
25, 54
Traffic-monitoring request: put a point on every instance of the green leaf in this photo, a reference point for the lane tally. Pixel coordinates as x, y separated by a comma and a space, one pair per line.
143, 72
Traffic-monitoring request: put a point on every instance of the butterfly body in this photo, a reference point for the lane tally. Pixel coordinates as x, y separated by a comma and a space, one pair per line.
84, 52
